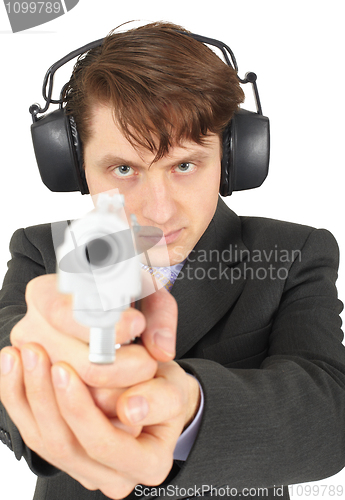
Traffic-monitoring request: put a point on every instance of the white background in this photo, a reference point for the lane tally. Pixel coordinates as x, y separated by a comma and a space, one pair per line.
296, 49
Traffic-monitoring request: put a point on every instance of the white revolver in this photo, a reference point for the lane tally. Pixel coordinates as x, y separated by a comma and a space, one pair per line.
98, 264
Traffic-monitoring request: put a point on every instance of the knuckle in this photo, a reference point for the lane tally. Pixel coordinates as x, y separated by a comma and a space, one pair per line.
33, 289
157, 469
106, 399
35, 393
101, 451
18, 332
151, 369
88, 484
33, 440
7, 397
111, 491
120, 488
53, 312
140, 366
30, 289
148, 367
59, 309
59, 449
42, 297
176, 399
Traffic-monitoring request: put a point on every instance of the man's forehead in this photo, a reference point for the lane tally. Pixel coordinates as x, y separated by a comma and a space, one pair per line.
111, 141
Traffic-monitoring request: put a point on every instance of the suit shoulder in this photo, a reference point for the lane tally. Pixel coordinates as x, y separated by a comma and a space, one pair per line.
36, 243
250, 223
39, 236
266, 231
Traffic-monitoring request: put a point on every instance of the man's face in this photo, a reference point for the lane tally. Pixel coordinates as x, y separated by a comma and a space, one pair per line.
177, 194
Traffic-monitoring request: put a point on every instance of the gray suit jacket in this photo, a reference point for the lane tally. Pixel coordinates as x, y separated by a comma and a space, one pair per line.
259, 327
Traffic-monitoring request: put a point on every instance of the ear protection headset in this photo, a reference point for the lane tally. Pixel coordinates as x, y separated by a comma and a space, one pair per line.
58, 149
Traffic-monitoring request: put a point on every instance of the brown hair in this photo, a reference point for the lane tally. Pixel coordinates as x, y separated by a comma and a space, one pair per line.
164, 87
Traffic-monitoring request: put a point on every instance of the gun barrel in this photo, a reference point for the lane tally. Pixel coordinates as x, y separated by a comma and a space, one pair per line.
102, 345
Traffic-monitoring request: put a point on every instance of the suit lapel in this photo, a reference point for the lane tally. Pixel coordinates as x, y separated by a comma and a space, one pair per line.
211, 279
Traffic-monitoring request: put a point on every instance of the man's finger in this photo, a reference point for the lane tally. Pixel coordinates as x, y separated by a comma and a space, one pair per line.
16, 402
57, 443
13, 395
56, 308
133, 430
132, 323
171, 394
159, 337
73, 397
106, 399
137, 459
40, 395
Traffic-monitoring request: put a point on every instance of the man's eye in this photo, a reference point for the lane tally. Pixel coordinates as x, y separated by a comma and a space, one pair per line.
123, 171
185, 167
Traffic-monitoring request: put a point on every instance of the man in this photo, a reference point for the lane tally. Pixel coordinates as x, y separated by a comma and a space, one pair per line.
258, 316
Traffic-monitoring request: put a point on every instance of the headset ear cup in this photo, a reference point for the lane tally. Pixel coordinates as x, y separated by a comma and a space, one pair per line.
58, 152
246, 151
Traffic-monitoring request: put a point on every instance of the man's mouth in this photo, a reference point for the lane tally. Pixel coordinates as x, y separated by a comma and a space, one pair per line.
171, 237
149, 237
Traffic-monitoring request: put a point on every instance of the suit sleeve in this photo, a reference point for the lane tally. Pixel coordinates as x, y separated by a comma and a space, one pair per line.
283, 423
27, 263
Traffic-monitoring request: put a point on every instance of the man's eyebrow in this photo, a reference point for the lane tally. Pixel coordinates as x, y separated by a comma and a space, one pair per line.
184, 155
195, 154
110, 159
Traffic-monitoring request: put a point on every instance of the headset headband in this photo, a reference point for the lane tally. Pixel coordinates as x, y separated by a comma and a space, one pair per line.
48, 81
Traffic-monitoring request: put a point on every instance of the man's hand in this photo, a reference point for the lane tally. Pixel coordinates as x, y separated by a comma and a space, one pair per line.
108, 426
49, 322
59, 420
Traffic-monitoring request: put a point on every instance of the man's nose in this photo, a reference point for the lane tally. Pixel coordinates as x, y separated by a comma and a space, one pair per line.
158, 205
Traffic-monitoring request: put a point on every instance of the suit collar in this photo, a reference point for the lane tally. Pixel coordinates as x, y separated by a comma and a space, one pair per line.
211, 279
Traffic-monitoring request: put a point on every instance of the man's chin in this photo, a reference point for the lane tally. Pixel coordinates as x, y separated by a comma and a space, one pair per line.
164, 255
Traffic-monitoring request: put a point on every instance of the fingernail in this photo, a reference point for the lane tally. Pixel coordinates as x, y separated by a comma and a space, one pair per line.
60, 377
137, 409
7, 362
164, 339
29, 358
